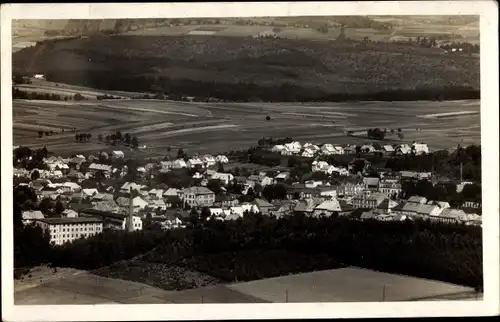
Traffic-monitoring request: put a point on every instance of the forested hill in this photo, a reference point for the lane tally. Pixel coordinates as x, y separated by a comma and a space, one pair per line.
249, 69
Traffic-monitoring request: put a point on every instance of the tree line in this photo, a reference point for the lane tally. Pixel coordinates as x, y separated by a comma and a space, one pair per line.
118, 138
20, 94
248, 91
450, 253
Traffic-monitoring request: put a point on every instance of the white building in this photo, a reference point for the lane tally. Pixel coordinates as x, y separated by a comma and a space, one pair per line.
420, 148
63, 230
30, 216
118, 154
223, 177
179, 164
221, 159
208, 160
198, 196
194, 162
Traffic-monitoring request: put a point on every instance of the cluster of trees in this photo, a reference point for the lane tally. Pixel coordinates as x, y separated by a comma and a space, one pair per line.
26, 158
467, 47
274, 192
105, 249
376, 134
119, 138
465, 162
47, 133
108, 97
248, 91
442, 192
269, 141
20, 94
453, 253
83, 137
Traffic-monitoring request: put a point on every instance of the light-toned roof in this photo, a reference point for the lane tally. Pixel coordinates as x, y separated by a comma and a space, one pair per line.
198, 190
35, 214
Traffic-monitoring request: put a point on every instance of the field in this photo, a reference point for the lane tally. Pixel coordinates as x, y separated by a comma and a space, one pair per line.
69, 286
457, 28
221, 127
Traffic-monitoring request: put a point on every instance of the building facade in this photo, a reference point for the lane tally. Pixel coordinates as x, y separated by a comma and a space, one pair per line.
64, 230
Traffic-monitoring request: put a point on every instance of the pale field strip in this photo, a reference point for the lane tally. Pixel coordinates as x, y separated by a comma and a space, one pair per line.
150, 110
451, 114
315, 115
191, 130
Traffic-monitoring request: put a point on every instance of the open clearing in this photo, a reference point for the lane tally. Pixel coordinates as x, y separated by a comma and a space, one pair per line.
221, 127
350, 284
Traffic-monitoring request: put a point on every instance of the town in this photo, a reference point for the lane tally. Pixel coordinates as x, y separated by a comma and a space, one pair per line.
80, 196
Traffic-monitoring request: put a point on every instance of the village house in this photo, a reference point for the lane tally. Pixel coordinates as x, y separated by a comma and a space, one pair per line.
29, 217
179, 164
69, 213
225, 201
117, 155
327, 191
281, 177
312, 147
63, 230
225, 178
327, 208
419, 210
403, 149
194, 162
208, 160
300, 191
138, 204
367, 199
293, 147
130, 186
386, 206
307, 206
198, 196
111, 220
105, 205
170, 192
157, 204
94, 167
390, 187
371, 184
368, 148
221, 159
418, 199
263, 206
308, 153
388, 150
278, 148
419, 148
155, 193
349, 189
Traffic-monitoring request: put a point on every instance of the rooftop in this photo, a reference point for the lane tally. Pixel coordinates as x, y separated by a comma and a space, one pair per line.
62, 221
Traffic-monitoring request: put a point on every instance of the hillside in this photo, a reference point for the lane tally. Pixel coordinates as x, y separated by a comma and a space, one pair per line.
160, 64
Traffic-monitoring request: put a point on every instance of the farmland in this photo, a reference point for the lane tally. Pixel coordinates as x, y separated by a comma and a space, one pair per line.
220, 127
70, 286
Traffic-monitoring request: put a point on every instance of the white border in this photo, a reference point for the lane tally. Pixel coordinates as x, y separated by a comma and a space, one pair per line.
488, 12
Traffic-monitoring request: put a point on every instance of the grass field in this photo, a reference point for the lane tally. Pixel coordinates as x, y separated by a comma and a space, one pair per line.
220, 127
69, 286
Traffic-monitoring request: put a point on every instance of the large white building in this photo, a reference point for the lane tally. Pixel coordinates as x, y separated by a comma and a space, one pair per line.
63, 230
198, 197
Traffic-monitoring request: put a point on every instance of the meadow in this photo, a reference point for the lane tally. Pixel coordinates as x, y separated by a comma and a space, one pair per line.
221, 127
